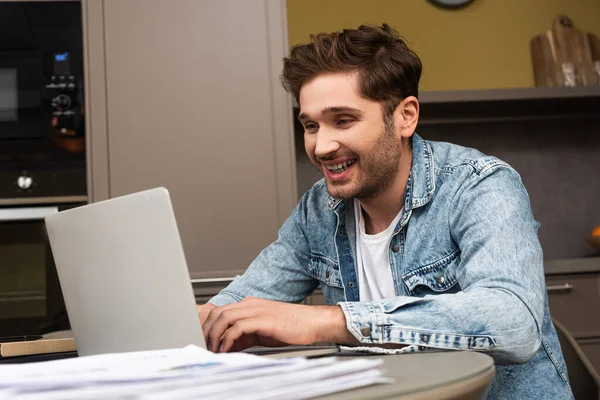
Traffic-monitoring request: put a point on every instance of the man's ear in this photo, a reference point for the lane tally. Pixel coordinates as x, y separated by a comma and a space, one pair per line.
406, 116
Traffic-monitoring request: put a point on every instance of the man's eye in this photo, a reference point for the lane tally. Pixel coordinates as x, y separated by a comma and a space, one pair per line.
344, 121
310, 127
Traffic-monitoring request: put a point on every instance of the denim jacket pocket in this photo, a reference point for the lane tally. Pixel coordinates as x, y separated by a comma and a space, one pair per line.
434, 278
325, 270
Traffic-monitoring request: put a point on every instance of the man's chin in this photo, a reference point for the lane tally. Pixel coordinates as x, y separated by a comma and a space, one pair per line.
338, 191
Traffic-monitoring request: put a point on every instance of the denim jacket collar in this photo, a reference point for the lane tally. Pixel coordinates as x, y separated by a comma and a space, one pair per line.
421, 181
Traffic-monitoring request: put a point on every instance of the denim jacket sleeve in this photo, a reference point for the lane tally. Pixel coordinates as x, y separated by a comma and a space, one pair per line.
279, 272
501, 303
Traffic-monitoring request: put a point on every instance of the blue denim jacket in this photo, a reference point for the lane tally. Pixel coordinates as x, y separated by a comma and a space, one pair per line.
466, 261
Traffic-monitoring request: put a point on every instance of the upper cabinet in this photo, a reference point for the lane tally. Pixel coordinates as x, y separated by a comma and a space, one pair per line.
186, 95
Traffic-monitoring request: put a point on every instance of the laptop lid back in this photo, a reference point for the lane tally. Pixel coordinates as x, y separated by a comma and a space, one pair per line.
124, 275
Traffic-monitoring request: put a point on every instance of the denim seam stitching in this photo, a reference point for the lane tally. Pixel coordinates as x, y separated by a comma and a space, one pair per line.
433, 265
320, 257
314, 272
555, 361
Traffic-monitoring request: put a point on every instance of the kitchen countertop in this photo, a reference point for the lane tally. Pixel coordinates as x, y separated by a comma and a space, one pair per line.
572, 266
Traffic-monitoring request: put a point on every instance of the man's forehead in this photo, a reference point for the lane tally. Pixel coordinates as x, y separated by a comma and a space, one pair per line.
330, 93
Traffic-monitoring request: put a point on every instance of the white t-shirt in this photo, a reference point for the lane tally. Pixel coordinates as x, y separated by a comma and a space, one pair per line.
375, 280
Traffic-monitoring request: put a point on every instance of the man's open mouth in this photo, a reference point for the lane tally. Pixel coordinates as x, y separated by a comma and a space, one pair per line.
338, 168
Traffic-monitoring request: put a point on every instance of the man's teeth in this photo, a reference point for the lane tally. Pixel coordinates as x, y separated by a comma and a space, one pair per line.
340, 167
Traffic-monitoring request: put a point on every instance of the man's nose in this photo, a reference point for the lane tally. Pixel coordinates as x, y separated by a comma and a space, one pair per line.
327, 144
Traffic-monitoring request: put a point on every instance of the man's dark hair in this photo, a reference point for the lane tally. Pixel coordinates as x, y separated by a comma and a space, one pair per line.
388, 71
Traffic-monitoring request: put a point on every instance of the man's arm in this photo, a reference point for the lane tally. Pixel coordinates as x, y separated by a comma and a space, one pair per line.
258, 322
501, 305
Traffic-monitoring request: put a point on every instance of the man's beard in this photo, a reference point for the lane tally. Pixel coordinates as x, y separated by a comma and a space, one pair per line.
378, 168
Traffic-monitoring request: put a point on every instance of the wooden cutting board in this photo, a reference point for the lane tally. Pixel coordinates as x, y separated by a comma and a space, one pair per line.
42, 346
565, 56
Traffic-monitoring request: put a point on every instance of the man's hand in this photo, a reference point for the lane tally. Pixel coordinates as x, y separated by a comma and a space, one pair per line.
256, 322
203, 310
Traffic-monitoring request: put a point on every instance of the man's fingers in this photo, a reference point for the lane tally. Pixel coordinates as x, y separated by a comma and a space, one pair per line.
226, 319
213, 315
250, 326
209, 312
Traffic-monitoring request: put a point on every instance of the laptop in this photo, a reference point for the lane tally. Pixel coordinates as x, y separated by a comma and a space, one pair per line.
124, 276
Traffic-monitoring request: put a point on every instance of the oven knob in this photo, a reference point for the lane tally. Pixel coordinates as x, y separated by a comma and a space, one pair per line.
24, 182
62, 102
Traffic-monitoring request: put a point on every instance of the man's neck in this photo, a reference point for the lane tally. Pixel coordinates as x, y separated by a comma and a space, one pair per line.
380, 211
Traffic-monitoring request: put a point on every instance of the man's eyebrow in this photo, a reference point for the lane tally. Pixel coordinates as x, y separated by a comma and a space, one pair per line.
329, 110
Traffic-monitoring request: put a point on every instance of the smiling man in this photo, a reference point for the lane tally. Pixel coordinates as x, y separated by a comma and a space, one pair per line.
413, 243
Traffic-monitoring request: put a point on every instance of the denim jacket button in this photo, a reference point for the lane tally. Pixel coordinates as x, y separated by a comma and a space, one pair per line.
351, 284
395, 248
365, 331
441, 280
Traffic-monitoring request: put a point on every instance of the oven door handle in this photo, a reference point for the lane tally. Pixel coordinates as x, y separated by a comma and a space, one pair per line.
26, 213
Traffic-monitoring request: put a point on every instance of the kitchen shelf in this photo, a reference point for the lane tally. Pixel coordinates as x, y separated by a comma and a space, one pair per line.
521, 104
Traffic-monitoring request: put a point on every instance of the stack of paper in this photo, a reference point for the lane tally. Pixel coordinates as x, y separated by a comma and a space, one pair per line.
187, 373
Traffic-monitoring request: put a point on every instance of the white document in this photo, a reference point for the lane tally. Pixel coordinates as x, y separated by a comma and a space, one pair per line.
124, 367
186, 373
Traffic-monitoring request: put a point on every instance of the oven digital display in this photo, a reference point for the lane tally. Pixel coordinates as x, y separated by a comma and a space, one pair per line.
8, 95
62, 64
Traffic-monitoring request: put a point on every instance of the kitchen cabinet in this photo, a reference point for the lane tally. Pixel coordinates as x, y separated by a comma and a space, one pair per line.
186, 95
574, 295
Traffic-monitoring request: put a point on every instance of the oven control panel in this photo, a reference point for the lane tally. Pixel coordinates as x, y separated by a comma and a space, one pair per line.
63, 90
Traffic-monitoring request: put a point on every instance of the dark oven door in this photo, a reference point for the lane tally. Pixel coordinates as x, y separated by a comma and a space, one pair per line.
31, 301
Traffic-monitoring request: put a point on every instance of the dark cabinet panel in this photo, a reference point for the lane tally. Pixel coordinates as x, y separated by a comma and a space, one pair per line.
574, 301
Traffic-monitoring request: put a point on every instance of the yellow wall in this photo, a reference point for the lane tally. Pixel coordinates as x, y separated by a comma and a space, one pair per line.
485, 45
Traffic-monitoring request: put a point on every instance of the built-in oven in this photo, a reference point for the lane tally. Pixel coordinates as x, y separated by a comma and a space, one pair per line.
42, 154
31, 300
